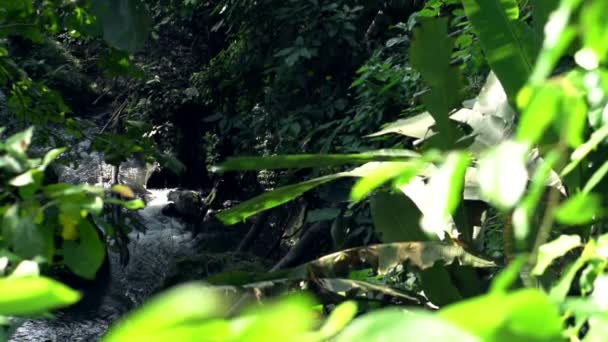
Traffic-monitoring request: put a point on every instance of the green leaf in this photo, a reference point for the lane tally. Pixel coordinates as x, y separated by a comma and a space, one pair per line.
383, 174
338, 319
553, 250
582, 151
135, 204
509, 44
523, 213
430, 54
579, 209
51, 155
446, 184
85, 256
539, 113
311, 160
418, 126
502, 174
287, 193
126, 23
33, 295
524, 315
508, 276
17, 145
396, 218
541, 9
262, 325
28, 239
272, 199
594, 28
187, 303
402, 325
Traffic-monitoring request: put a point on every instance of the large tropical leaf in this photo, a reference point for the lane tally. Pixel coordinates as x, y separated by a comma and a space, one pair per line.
384, 257
287, 193
509, 44
430, 54
300, 161
396, 217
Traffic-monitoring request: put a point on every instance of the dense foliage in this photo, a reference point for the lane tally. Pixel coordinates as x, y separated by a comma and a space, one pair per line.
445, 157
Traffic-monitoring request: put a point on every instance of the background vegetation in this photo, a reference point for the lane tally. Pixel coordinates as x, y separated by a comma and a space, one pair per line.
424, 170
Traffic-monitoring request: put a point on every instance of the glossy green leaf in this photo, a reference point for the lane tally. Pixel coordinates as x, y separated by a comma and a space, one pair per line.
402, 325
509, 44
553, 250
311, 160
33, 295
502, 174
580, 209
524, 315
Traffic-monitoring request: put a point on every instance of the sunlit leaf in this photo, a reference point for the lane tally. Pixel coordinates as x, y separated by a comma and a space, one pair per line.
402, 325
594, 28
583, 150
186, 303
418, 126
446, 185
508, 276
384, 257
339, 318
579, 209
123, 191
311, 160
51, 155
539, 113
262, 322
18, 144
503, 175
383, 174
509, 44
523, 213
33, 295
524, 315
553, 250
